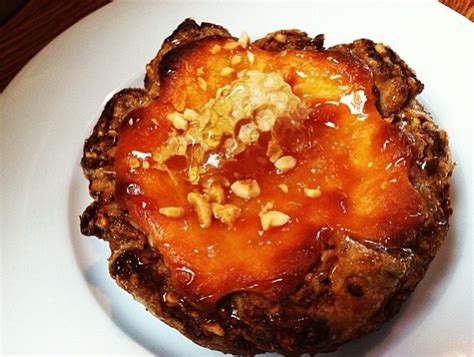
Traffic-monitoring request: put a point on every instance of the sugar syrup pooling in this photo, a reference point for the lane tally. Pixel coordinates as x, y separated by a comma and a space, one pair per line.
265, 217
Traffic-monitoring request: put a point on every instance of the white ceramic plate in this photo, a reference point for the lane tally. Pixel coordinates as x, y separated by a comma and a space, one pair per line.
57, 296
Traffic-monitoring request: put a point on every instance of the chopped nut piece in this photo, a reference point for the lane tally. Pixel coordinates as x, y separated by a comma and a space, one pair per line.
283, 188
172, 212
235, 60
280, 37
312, 192
226, 71
178, 121
246, 189
214, 328
273, 219
146, 165
227, 214
200, 72
202, 83
202, 209
231, 45
285, 163
215, 193
244, 40
215, 49
134, 163
250, 56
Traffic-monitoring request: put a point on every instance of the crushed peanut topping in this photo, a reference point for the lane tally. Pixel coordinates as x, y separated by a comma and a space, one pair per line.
263, 98
246, 189
226, 71
215, 193
264, 101
227, 214
202, 208
190, 114
312, 192
215, 49
172, 212
272, 219
283, 188
244, 40
250, 56
235, 60
285, 163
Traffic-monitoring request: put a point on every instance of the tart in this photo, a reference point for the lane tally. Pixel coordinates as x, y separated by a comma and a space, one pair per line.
269, 196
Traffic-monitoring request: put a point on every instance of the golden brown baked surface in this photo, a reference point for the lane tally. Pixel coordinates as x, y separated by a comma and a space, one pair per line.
360, 270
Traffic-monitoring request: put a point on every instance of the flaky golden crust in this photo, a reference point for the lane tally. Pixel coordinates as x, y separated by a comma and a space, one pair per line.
356, 285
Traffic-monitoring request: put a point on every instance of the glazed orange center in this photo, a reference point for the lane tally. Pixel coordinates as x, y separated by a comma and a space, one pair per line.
349, 171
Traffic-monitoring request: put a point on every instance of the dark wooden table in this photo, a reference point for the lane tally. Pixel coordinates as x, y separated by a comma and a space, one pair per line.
35, 23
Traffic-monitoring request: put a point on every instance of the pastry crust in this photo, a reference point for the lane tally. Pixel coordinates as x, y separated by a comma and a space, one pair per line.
354, 288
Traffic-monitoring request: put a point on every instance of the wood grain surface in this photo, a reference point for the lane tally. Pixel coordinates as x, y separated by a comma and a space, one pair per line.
38, 22
33, 26
464, 7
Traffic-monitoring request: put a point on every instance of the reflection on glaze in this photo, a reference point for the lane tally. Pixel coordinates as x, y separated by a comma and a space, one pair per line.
359, 162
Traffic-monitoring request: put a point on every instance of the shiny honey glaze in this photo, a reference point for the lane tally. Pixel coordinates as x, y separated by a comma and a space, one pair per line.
359, 162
